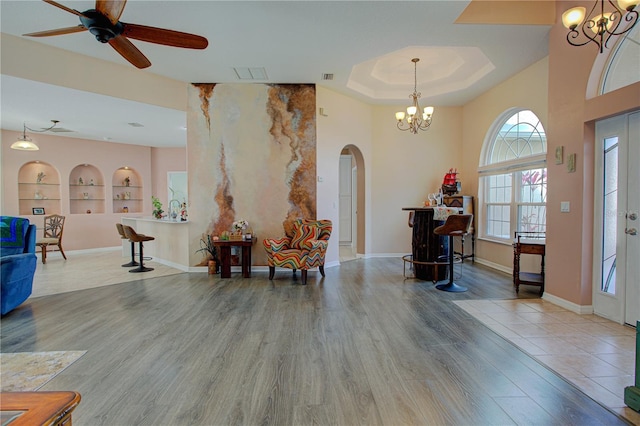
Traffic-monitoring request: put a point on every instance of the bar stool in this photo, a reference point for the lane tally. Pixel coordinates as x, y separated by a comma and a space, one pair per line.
133, 247
134, 237
456, 225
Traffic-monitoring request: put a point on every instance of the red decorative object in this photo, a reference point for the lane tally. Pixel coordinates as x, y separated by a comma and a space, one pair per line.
450, 183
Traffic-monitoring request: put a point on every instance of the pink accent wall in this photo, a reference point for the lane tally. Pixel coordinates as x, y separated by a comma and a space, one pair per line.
572, 115
82, 231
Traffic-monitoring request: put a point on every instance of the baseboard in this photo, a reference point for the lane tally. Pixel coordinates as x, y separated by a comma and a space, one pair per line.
57, 254
171, 264
570, 306
495, 266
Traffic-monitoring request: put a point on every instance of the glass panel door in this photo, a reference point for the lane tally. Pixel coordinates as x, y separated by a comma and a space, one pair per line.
616, 254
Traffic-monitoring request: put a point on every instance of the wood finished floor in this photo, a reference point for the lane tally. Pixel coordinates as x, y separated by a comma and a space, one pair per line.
361, 346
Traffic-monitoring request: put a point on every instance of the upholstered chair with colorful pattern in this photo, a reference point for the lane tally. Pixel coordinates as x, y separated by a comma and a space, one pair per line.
304, 249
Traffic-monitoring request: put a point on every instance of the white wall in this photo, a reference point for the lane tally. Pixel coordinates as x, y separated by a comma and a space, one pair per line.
348, 122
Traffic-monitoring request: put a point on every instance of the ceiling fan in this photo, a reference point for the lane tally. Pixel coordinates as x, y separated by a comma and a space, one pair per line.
103, 22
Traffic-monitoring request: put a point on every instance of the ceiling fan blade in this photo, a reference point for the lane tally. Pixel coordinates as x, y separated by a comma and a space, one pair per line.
59, 31
112, 9
128, 51
68, 9
164, 37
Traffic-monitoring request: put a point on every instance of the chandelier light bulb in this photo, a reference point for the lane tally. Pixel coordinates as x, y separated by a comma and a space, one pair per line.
400, 116
573, 17
628, 5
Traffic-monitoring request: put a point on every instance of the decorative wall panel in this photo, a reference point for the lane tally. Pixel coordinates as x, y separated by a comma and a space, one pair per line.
252, 156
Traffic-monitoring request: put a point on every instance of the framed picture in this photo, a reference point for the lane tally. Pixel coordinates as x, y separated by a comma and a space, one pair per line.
571, 163
559, 155
38, 210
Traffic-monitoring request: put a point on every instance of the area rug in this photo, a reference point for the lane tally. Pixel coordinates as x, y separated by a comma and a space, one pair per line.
29, 371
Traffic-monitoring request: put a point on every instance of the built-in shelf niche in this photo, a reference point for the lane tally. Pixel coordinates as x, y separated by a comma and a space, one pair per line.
86, 190
38, 188
127, 191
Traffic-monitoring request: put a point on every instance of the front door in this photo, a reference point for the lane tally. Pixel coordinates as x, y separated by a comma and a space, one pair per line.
616, 292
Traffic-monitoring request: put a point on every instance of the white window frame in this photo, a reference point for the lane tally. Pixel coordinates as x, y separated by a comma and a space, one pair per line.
514, 167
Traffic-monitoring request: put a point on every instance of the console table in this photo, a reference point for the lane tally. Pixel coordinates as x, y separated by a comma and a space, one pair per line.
225, 256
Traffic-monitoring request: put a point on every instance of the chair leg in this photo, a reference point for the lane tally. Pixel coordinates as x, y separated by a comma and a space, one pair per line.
141, 268
303, 272
272, 271
133, 257
451, 286
321, 269
62, 251
43, 252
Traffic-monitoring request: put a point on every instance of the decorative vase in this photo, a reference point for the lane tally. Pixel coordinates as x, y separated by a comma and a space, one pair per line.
211, 265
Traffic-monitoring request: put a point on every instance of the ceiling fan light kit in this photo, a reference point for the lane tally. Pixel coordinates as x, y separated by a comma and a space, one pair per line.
601, 23
104, 23
24, 142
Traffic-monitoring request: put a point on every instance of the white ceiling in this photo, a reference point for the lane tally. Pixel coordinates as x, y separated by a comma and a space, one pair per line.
367, 45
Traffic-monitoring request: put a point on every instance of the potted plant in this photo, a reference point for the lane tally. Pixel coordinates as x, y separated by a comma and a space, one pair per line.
157, 207
211, 252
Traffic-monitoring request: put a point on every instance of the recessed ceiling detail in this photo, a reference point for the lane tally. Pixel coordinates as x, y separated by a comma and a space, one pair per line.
442, 69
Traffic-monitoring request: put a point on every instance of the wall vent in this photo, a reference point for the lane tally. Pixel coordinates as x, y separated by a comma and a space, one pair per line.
327, 76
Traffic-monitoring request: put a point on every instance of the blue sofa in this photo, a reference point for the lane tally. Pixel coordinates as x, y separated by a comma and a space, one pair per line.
17, 260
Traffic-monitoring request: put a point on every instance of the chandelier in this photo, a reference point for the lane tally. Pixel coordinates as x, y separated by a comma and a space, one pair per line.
600, 25
24, 142
415, 119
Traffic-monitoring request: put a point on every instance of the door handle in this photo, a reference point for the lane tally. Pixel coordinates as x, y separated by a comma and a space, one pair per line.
631, 231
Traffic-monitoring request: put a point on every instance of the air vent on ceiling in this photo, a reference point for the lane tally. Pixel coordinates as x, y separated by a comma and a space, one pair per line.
251, 73
327, 76
61, 130
135, 124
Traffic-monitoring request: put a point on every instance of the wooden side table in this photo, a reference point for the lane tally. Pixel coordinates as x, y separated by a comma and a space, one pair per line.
521, 247
225, 256
38, 408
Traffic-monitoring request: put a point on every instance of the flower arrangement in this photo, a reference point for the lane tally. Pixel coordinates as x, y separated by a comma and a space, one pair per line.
157, 207
240, 225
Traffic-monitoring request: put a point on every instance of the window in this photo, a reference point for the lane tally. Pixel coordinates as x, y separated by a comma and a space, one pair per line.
513, 177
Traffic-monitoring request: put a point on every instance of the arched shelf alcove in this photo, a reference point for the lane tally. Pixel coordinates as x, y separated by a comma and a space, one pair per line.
86, 190
127, 191
38, 189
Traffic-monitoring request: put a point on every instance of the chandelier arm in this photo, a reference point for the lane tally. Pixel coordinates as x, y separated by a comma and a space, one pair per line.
629, 17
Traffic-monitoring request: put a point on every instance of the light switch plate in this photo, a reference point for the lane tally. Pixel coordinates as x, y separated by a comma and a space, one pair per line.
565, 207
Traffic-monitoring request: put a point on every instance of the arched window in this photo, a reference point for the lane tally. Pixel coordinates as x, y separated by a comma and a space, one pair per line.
623, 68
513, 177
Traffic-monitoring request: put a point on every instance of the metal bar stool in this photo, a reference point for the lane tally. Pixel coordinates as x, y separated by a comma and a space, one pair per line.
456, 225
133, 247
134, 237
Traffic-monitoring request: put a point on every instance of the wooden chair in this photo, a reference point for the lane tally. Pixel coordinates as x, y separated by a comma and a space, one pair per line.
53, 228
456, 225
134, 237
133, 247
528, 243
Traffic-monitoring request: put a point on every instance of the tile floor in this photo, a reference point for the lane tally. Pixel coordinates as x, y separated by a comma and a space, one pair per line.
88, 270
593, 353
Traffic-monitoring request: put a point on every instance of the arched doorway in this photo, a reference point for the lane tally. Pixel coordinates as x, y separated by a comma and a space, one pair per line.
351, 227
